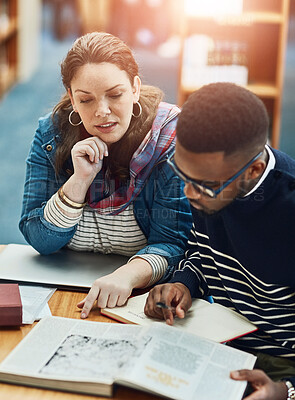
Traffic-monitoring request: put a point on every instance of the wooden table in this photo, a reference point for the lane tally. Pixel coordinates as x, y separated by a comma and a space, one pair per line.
62, 304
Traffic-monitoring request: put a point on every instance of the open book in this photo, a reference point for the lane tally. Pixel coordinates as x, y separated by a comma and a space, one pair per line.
211, 321
92, 357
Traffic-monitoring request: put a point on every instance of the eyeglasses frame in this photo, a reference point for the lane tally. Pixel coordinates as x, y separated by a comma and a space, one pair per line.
206, 190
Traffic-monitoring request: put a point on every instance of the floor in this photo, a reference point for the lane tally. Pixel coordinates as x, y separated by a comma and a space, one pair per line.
26, 102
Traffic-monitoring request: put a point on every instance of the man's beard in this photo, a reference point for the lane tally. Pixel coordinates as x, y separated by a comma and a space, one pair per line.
204, 211
208, 212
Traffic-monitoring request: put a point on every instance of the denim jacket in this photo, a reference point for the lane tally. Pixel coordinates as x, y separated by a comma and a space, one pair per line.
161, 209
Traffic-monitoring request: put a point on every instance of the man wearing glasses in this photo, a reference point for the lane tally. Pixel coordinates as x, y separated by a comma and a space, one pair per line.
241, 247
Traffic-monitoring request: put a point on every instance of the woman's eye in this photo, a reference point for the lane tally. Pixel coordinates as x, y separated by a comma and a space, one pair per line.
85, 101
115, 96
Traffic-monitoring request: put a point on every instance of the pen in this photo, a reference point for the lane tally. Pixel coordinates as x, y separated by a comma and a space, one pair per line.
160, 304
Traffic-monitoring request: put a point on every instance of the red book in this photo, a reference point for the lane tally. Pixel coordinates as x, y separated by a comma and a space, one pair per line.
10, 305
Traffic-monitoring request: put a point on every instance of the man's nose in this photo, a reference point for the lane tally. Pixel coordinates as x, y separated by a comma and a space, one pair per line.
191, 192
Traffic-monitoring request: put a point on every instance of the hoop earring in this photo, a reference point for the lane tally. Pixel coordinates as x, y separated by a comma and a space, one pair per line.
70, 120
140, 110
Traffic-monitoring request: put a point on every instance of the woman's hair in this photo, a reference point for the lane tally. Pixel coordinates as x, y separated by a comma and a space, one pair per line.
98, 47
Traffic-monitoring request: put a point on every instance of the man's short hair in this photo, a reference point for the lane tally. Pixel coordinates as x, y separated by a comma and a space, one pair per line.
223, 117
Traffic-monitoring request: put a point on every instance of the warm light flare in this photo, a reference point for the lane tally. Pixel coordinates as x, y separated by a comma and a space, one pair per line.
214, 8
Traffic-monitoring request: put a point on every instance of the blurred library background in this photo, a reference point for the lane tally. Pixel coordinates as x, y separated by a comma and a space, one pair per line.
179, 45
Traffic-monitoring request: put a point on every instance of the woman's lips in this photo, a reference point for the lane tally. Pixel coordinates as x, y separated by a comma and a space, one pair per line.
106, 128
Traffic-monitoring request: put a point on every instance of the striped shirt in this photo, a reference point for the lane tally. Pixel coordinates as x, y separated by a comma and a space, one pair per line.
270, 307
243, 257
117, 234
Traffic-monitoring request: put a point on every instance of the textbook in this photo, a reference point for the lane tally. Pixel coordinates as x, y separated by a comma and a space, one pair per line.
212, 321
95, 357
10, 305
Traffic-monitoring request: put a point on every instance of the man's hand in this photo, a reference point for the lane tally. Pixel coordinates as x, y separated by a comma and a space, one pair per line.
175, 295
264, 387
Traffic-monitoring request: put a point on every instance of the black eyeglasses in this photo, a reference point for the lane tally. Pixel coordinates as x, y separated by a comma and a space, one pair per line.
203, 189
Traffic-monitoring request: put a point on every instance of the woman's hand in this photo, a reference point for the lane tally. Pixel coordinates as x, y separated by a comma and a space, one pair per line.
264, 387
109, 291
115, 289
87, 156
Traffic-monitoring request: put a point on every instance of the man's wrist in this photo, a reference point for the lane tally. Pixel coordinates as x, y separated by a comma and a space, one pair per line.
182, 286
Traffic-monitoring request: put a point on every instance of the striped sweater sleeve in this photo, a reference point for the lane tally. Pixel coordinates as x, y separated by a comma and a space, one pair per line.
158, 263
59, 214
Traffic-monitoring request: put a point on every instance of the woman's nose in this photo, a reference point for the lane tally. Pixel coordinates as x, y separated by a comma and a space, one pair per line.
102, 109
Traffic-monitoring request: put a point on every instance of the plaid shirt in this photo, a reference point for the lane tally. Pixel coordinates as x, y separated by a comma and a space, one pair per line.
109, 196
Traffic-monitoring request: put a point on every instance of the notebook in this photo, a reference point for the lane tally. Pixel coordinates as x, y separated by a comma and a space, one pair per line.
211, 321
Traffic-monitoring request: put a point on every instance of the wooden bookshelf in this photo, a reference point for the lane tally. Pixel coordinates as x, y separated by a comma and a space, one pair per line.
262, 27
8, 44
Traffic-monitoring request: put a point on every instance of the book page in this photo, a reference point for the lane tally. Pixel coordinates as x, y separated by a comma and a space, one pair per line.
184, 366
63, 348
34, 299
211, 321
45, 312
88, 357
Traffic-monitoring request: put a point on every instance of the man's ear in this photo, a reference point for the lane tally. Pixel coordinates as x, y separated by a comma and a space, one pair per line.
256, 169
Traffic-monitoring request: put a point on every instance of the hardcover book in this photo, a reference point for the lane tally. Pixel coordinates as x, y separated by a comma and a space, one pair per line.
10, 305
94, 357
